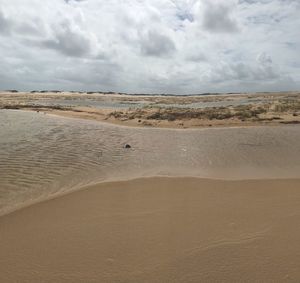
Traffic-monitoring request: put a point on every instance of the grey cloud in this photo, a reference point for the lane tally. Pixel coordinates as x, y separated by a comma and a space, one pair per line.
252, 1
156, 44
264, 59
184, 15
261, 70
20, 27
265, 1
196, 57
184, 10
265, 68
69, 40
217, 18
68, 1
93, 74
5, 23
225, 73
82, 46
258, 1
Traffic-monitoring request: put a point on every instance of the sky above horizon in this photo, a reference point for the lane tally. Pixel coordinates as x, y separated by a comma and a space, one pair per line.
150, 46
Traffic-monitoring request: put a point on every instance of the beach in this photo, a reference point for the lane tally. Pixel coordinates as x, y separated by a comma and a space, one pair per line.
158, 230
163, 111
193, 205
150, 141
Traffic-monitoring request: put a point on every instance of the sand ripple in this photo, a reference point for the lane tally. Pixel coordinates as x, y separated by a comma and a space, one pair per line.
41, 155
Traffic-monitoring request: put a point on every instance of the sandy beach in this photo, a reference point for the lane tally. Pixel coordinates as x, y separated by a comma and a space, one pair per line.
150, 141
158, 230
163, 111
235, 220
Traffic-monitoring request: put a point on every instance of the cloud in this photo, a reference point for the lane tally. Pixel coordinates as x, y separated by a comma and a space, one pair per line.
5, 23
156, 44
184, 9
217, 17
196, 57
70, 40
261, 69
264, 59
182, 46
68, 1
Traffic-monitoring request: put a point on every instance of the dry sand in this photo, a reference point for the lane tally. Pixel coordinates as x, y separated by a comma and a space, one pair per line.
158, 230
265, 108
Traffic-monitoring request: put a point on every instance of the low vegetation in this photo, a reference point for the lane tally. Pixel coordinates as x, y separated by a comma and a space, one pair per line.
172, 114
34, 107
287, 105
282, 110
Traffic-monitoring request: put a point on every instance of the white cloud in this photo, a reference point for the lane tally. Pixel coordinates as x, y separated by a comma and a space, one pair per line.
70, 39
181, 46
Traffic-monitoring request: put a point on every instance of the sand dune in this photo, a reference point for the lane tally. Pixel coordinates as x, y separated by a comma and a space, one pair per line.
158, 230
219, 110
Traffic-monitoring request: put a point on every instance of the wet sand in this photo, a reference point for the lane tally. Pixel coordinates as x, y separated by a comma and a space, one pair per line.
158, 230
243, 227
45, 155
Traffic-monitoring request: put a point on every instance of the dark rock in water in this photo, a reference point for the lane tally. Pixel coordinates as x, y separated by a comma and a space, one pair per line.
127, 145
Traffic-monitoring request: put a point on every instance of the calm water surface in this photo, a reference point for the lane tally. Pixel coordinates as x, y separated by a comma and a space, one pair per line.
139, 104
42, 155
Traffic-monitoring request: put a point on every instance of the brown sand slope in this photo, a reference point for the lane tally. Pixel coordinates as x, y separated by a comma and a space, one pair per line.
158, 230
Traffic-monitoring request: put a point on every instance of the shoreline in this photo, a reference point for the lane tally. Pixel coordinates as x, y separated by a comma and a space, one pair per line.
161, 228
267, 173
109, 182
181, 112
73, 114
145, 179
157, 229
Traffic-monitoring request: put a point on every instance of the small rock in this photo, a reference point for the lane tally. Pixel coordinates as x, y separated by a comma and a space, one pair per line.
127, 145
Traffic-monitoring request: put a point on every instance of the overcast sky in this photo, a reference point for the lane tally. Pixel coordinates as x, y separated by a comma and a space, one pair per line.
150, 46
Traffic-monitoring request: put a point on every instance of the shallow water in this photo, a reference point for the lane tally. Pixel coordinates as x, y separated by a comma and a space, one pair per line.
89, 103
102, 104
211, 104
41, 155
